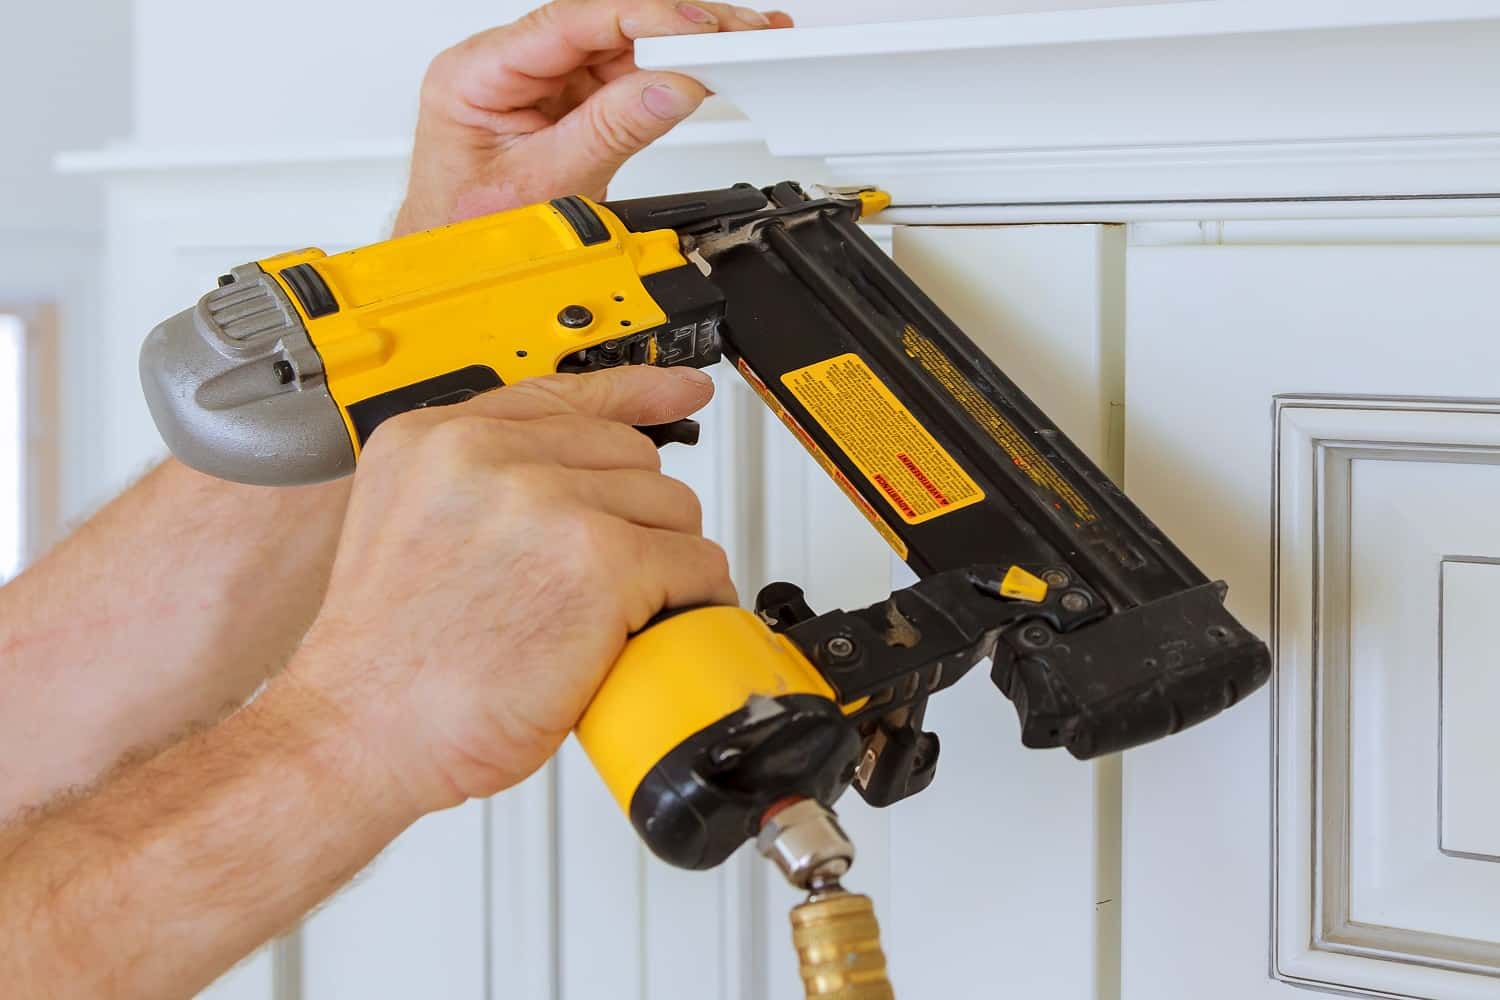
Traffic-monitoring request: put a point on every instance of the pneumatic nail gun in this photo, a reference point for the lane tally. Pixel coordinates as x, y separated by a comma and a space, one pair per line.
718, 725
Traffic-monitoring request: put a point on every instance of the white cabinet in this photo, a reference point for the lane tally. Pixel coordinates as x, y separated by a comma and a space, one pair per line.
1253, 271
1301, 419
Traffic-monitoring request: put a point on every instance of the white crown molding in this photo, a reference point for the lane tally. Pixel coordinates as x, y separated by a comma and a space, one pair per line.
1198, 101
127, 158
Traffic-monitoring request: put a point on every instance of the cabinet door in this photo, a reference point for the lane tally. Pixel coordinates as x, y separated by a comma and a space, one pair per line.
999, 880
1318, 425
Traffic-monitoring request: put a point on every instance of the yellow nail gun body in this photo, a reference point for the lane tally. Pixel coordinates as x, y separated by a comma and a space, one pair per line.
1100, 631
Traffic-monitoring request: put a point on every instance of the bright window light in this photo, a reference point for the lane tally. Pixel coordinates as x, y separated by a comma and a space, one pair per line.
12, 444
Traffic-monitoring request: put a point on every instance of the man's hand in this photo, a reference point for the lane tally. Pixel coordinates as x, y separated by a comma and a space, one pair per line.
494, 558
551, 105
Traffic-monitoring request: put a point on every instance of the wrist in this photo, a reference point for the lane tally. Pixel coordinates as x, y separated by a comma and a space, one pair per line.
335, 745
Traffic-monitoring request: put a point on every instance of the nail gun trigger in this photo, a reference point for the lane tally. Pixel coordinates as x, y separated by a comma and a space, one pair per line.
685, 431
782, 605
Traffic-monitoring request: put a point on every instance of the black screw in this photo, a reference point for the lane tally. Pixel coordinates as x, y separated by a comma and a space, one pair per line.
1055, 578
1218, 633
520, 354
1075, 600
226, 279
285, 373
575, 317
840, 647
1035, 635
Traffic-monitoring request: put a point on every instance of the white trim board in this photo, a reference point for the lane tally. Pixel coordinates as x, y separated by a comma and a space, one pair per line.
129, 158
1185, 101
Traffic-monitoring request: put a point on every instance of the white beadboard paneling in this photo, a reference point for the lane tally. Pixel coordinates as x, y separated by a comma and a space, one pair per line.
412, 923
521, 870
1215, 334
252, 979
600, 889
1016, 848
1470, 810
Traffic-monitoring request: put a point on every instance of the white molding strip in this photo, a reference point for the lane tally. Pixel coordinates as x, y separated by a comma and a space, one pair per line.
126, 158
1224, 99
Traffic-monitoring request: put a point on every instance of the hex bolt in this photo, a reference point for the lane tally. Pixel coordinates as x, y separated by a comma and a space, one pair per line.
1075, 600
1055, 578
285, 373
840, 647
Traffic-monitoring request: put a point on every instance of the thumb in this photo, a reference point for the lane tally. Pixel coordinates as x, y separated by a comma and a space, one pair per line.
641, 395
620, 119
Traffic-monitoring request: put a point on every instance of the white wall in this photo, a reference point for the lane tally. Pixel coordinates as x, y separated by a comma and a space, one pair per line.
64, 77
64, 66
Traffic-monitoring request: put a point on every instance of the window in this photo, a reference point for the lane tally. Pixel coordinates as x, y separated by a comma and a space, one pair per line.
12, 445
28, 435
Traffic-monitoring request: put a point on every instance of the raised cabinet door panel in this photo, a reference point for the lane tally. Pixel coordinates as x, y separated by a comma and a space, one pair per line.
999, 880
1319, 426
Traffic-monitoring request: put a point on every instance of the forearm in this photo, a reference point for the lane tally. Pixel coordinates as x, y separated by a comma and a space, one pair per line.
168, 607
183, 864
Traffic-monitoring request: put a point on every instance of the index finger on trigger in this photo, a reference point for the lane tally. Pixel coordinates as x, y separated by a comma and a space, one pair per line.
639, 395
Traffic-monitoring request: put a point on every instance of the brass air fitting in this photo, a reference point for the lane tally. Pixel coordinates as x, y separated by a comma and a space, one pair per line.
835, 932
838, 947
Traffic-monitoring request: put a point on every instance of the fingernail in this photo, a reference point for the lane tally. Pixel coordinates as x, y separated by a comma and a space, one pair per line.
691, 375
695, 13
665, 101
754, 17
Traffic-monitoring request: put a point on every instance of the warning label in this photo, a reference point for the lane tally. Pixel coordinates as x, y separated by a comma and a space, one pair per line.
882, 438
1022, 454
876, 521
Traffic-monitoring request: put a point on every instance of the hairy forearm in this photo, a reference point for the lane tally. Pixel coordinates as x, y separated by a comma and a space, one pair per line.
167, 608
181, 865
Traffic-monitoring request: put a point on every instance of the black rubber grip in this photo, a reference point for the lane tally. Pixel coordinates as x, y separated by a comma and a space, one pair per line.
442, 390
311, 290
676, 211
584, 220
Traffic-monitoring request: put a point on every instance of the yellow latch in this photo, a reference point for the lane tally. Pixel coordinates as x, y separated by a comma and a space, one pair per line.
1023, 586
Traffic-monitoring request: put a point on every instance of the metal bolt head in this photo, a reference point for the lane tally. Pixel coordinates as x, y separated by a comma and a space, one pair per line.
1075, 600
575, 317
1055, 578
1035, 635
285, 373
840, 647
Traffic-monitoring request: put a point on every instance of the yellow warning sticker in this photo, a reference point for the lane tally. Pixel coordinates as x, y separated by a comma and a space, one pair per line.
876, 521
1015, 445
883, 439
